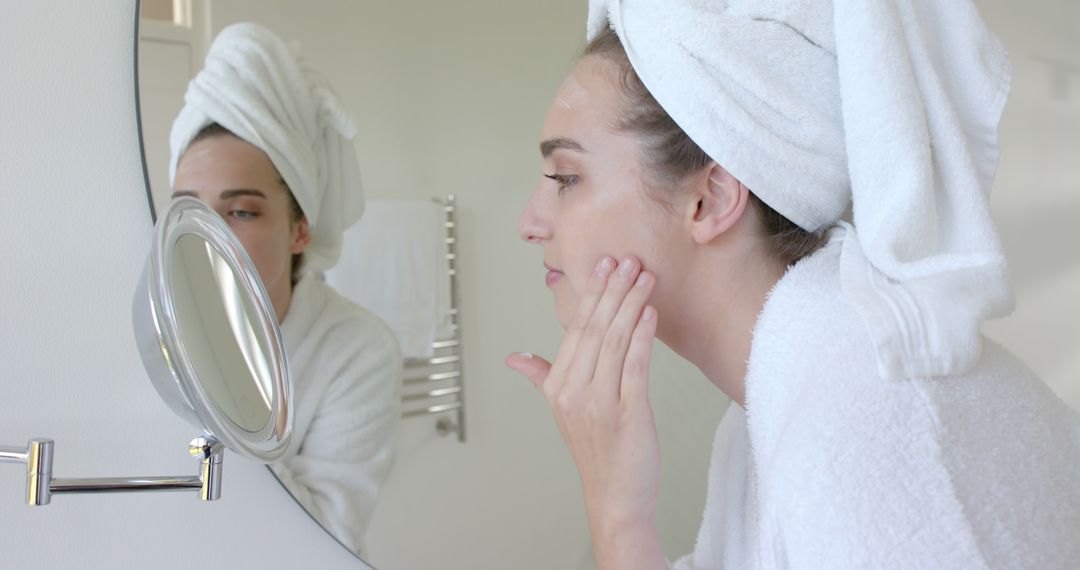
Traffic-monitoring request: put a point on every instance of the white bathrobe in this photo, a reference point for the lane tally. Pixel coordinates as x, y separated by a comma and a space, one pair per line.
832, 466
346, 376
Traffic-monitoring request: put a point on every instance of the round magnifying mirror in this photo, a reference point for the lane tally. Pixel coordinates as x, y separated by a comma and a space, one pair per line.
207, 334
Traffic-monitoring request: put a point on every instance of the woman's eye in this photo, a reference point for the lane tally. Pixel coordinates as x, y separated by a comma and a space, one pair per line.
565, 182
243, 214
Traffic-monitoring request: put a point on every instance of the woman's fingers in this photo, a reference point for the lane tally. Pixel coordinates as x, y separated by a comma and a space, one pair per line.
533, 367
614, 352
593, 292
635, 373
586, 305
592, 338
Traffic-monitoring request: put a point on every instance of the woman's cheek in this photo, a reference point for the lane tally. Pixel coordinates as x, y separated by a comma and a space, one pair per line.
569, 297
565, 307
257, 252
245, 239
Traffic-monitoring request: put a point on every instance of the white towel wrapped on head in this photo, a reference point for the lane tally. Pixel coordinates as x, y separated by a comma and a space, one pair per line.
890, 106
260, 89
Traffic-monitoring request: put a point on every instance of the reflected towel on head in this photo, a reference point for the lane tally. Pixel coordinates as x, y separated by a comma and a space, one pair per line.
888, 106
259, 88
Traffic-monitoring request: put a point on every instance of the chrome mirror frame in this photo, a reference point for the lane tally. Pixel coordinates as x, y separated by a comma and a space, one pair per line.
166, 356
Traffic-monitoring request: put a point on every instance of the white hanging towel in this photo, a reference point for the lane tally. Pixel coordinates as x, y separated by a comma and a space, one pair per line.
394, 264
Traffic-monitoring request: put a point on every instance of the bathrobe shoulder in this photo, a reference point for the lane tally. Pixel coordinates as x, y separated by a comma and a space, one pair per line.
345, 366
831, 466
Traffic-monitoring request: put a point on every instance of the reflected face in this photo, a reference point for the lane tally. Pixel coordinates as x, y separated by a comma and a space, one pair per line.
241, 184
591, 201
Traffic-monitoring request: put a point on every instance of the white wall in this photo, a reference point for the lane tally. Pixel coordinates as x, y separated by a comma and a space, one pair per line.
1036, 197
75, 234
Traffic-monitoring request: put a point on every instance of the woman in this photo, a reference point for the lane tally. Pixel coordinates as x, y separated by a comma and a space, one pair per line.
262, 140
698, 162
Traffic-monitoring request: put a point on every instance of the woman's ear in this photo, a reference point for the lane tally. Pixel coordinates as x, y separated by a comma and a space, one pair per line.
301, 236
720, 202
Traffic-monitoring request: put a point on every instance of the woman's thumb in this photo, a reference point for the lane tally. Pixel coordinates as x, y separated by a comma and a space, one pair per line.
530, 366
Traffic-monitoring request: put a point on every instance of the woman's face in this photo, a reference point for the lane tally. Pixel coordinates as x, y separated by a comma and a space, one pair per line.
591, 201
239, 182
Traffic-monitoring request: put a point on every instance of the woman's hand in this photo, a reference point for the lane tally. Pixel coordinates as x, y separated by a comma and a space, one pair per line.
598, 389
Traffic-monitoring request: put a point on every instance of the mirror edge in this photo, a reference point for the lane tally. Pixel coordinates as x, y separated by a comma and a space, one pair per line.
138, 114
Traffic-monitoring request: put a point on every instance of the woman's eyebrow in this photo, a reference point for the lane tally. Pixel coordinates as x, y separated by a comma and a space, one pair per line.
242, 192
551, 145
226, 194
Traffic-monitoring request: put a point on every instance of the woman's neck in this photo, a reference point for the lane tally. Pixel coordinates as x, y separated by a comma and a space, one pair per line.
712, 322
280, 298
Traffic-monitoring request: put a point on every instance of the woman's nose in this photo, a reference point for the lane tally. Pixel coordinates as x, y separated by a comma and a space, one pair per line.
533, 225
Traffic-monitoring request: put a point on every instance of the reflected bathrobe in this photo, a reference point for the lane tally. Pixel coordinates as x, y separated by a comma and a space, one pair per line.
345, 366
831, 466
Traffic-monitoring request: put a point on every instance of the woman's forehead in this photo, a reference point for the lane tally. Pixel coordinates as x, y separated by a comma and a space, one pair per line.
226, 148
587, 101
223, 161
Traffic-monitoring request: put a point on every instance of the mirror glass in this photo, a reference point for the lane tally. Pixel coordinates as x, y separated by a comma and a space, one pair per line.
215, 320
345, 362
449, 97
206, 336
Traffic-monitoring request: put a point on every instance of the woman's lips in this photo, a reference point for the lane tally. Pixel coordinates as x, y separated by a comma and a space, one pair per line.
553, 275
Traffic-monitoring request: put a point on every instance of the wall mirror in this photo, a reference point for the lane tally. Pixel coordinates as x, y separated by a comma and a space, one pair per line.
449, 98
427, 101
349, 338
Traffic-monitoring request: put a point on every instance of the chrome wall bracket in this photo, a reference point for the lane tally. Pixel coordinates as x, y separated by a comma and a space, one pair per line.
41, 485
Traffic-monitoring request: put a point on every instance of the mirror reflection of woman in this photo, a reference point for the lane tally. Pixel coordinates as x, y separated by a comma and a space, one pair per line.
697, 164
264, 142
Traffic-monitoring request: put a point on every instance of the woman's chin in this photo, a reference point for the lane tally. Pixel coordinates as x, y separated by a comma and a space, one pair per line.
564, 309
